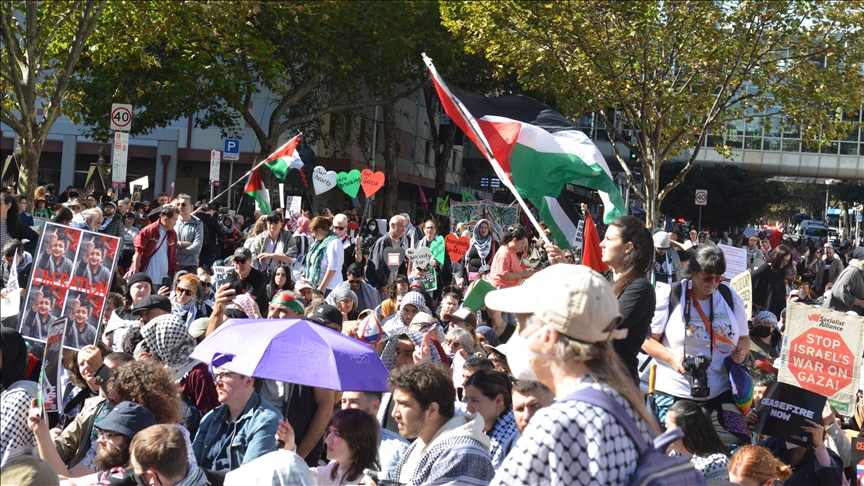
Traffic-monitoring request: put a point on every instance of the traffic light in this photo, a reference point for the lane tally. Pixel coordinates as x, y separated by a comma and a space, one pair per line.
634, 156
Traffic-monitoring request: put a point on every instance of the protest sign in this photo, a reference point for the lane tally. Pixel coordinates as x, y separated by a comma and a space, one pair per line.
858, 457
783, 411
822, 353
393, 258
292, 205
469, 213
457, 246
12, 302
371, 182
52, 361
419, 257
743, 284
458, 365
430, 281
323, 180
736, 260
349, 182
438, 249
72, 273
580, 233
219, 276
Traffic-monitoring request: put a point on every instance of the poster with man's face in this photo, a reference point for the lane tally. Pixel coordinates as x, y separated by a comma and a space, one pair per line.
72, 276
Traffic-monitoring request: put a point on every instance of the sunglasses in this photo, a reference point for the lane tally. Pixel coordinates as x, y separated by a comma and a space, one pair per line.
338, 228
274, 221
712, 278
206, 284
354, 282
186, 292
241, 261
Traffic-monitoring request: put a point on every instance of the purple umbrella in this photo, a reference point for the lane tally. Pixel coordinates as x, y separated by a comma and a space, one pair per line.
295, 351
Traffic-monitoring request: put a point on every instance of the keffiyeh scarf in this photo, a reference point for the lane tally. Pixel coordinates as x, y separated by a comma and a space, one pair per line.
500, 434
188, 310
169, 342
484, 245
316, 258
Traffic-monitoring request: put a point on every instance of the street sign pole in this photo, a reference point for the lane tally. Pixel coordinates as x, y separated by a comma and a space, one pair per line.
701, 200
700, 218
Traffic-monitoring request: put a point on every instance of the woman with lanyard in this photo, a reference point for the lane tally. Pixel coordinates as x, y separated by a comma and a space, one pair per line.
693, 357
324, 261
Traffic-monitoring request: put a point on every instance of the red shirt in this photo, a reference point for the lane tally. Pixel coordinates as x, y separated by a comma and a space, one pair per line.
505, 261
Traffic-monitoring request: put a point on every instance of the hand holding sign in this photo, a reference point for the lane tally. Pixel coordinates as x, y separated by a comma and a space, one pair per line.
323, 180
349, 182
438, 248
457, 246
371, 182
419, 256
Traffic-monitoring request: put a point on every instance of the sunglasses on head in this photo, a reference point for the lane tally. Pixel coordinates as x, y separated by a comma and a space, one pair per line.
186, 292
712, 278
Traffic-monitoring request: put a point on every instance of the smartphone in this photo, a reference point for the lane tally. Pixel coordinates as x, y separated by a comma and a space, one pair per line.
231, 278
166, 282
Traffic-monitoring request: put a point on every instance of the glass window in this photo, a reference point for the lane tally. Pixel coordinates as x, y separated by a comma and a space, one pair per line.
753, 143
847, 148
810, 147
791, 145
774, 129
852, 136
791, 130
753, 128
830, 148
736, 127
601, 135
734, 141
772, 144
715, 140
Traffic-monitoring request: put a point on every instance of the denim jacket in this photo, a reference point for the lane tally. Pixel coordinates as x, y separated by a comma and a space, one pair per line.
254, 436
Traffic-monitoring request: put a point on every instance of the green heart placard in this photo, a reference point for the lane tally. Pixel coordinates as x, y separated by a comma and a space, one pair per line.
349, 182
438, 249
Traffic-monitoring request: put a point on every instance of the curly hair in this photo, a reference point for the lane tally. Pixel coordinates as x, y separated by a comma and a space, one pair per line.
151, 385
427, 382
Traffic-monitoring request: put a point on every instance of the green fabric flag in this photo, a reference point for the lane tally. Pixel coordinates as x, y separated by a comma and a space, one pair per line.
467, 197
476, 298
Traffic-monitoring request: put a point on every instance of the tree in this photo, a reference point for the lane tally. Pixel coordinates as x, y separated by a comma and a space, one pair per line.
207, 60
736, 197
41, 43
662, 76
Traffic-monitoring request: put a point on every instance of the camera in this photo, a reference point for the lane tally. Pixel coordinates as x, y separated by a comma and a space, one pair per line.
697, 366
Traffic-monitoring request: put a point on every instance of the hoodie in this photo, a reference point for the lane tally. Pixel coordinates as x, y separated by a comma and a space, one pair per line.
192, 230
457, 453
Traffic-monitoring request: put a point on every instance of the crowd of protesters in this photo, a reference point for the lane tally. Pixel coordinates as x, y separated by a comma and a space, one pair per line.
495, 395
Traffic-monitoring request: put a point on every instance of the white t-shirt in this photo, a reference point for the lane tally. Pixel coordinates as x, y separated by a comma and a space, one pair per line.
158, 266
334, 255
725, 324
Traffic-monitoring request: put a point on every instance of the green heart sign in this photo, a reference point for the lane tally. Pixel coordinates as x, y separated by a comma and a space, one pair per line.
349, 182
438, 249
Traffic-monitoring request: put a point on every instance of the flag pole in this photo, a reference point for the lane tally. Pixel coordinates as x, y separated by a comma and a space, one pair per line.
478, 134
255, 165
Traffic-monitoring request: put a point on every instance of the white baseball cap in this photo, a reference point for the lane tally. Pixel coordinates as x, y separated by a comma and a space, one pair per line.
576, 300
662, 240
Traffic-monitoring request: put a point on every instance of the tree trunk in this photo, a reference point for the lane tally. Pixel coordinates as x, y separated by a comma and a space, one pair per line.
442, 159
31, 151
391, 170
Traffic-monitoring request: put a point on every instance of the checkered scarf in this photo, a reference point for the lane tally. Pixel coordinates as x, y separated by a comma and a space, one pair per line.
388, 356
500, 433
170, 343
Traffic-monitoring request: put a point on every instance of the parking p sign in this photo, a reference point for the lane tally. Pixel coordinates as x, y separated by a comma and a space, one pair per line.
232, 149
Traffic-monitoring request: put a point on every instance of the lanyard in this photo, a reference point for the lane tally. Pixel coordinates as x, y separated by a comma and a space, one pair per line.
707, 322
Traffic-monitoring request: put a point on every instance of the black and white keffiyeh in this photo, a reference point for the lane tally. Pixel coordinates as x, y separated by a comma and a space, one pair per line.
500, 435
170, 343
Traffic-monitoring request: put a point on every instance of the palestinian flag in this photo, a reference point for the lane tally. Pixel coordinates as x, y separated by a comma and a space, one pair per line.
592, 254
285, 159
256, 189
534, 150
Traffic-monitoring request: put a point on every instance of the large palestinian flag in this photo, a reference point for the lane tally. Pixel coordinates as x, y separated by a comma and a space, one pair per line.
535, 150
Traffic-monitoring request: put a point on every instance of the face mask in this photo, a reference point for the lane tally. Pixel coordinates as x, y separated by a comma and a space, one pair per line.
762, 331
519, 357
372, 227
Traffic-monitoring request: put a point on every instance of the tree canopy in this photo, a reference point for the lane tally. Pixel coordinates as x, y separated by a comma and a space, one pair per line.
663, 76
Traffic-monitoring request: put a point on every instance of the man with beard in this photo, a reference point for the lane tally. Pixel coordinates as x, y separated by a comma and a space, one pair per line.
116, 432
91, 267
81, 332
36, 324
55, 265
112, 223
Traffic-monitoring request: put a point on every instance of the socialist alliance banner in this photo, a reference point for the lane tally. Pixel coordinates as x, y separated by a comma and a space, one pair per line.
72, 271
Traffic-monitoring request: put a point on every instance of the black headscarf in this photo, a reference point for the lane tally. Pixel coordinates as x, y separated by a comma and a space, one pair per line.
14, 357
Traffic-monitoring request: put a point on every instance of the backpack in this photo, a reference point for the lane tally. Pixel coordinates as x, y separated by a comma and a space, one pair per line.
654, 467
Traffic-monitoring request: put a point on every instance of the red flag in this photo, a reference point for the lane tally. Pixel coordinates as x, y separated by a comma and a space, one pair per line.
776, 238
591, 253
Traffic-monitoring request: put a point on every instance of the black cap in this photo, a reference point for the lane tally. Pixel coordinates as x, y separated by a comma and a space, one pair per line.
326, 314
208, 208
243, 252
139, 277
275, 214
127, 418
152, 302
107, 203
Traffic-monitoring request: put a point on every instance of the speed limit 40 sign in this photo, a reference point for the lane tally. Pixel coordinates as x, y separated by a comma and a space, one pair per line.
701, 197
121, 117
